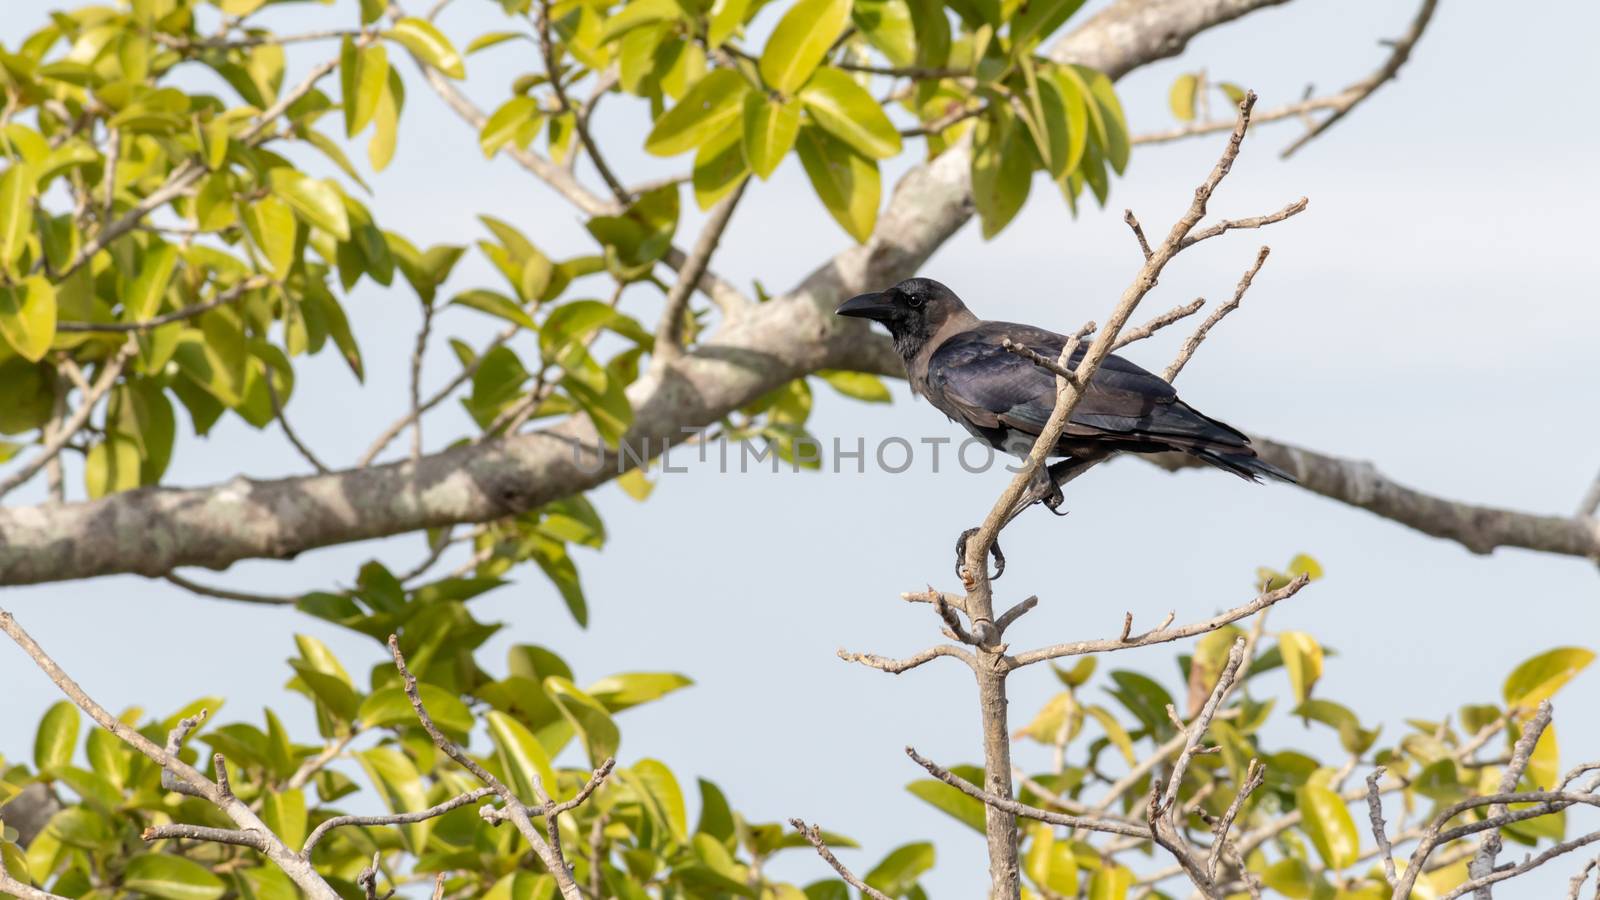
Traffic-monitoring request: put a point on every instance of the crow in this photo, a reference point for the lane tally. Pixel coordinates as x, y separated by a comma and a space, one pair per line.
960, 364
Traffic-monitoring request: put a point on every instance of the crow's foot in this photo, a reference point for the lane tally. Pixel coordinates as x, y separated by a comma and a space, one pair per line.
961, 558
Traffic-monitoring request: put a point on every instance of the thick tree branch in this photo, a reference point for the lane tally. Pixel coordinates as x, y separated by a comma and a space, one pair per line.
151, 531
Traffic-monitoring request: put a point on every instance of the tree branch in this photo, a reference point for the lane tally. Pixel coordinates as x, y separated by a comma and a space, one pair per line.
814, 835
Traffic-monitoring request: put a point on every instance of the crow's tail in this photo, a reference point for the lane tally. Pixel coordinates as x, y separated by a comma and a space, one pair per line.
1242, 462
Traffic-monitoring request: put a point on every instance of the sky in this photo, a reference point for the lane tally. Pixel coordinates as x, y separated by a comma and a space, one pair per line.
1435, 311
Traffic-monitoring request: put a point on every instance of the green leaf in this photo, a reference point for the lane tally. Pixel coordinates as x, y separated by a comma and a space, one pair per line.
172, 877
111, 466
56, 738
388, 707
587, 716
1049, 863
637, 13
847, 182
719, 165
386, 132
663, 788
150, 285
897, 874
848, 112
28, 316
1302, 657
706, 109
620, 692
508, 123
1182, 96
1537, 679
363, 77
726, 17
284, 812
16, 212
1327, 821
1039, 18
398, 781
1110, 882
495, 304
886, 24
770, 127
951, 800
318, 202
1002, 172
521, 755
857, 385
1114, 732
428, 45
800, 42
271, 224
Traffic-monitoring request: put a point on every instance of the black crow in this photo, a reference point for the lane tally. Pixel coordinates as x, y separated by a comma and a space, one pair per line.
959, 362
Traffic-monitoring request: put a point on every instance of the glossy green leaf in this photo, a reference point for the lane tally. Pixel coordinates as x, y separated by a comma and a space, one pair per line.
1049, 863
400, 785
1302, 657
886, 24
363, 77
507, 123
800, 41
271, 225
862, 386
710, 105
1327, 821
390, 707
587, 716
720, 165
898, 872
112, 465
54, 742
951, 800
770, 128
16, 212
1110, 882
28, 316
319, 203
427, 44
1538, 678
845, 109
847, 182
1002, 172
1039, 18
521, 755
726, 16
620, 692
664, 790
150, 285
495, 304
171, 877
386, 123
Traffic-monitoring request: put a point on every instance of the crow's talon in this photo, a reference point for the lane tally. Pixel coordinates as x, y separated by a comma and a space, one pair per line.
961, 558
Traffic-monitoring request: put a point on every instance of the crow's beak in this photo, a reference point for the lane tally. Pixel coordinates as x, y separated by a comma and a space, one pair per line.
875, 305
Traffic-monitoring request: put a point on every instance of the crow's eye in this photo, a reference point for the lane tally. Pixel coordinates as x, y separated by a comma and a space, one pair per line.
913, 300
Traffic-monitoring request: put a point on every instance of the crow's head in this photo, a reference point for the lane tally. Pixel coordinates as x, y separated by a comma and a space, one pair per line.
912, 310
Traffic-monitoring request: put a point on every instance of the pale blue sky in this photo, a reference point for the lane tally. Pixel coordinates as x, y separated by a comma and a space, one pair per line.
1435, 311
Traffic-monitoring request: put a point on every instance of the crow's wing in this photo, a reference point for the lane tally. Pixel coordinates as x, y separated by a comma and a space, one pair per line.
994, 387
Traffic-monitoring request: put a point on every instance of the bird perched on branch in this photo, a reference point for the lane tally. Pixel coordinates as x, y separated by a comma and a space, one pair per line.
962, 365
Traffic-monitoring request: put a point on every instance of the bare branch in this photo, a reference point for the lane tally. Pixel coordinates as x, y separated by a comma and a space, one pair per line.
409, 818
288, 432
203, 590
1193, 343
897, 666
462, 377
253, 840
1249, 222
669, 334
814, 835
580, 117
1379, 829
1255, 775
1162, 635
1159, 322
1521, 753
1088, 823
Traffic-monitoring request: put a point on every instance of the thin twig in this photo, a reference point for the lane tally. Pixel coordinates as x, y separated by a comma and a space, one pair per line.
254, 282
1521, 753
1379, 829
283, 422
814, 835
228, 594
897, 666
1088, 823
409, 818
1159, 322
669, 334
1193, 343
462, 377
